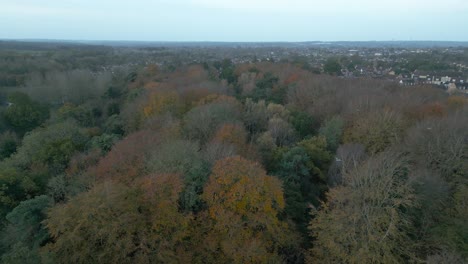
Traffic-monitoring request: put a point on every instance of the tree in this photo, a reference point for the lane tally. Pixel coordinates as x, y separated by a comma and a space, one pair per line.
255, 116
332, 130
302, 169
15, 186
201, 122
24, 114
365, 220
332, 66
233, 136
299, 187
440, 144
281, 131
348, 157
376, 131
243, 206
52, 146
127, 159
303, 123
267, 89
8, 144
162, 101
320, 158
182, 157
25, 231
113, 223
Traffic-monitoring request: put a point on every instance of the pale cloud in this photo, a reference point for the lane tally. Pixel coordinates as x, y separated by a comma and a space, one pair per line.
235, 20
342, 6
35, 10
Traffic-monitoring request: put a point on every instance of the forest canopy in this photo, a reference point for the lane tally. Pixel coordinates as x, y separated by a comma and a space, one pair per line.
107, 159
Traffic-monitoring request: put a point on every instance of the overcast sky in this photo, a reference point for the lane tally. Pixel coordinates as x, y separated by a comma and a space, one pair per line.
235, 20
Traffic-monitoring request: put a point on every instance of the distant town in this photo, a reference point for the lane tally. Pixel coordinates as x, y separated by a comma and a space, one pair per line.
443, 64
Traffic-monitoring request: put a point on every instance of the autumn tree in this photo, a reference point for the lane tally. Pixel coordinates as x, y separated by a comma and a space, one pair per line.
376, 131
182, 157
365, 220
162, 101
113, 223
127, 159
201, 122
243, 207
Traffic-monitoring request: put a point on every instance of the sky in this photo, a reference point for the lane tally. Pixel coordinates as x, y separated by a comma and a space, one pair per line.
235, 20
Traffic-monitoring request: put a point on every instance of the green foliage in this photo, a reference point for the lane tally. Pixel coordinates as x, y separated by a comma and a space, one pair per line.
332, 66
103, 142
15, 186
21, 254
8, 144
332, 130
86, 115
267, 89
451, 231
303, 169
303, 123
24, 223
114, 125
23, 114
316, 148
299, 188
226, 68
52, 146
182, 157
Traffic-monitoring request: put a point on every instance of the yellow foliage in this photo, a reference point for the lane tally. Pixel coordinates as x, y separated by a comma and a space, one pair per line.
243, 205
162, 101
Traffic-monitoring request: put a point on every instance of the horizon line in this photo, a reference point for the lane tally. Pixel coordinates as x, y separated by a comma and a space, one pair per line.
219, 41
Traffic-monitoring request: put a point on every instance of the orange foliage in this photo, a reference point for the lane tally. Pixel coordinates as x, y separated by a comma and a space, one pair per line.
292, 79
126, 160
114, 223
243, 204
190, 97
427, 110
161, 192
232, 134
151, 85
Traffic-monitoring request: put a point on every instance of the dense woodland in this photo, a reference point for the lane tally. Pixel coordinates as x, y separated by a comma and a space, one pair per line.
106, 159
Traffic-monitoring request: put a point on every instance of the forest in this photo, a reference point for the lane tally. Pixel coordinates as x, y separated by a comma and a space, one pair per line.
108, 158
